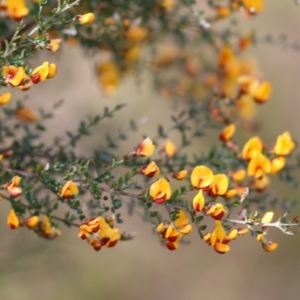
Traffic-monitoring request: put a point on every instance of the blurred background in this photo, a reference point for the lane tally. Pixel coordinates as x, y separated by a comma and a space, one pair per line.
67, 268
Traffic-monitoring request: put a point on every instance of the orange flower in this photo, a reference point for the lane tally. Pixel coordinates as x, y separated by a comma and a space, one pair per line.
69, 189
150, 170
202, 177
12, 220
43, 72
146, 148
25, 114
108, 236
180, 175
219, 186
53, 45
86, 18
284, 144
13, 187
263, 92
168, 148
217, 211
182, 223
253, 6
223, 12
238, 175
15, 76
16, 9
160, 191
252, 148
217, 237
227, 133
32, 222
109, 76
46, 230
137, 34
199, 202
26, 84
259, 165
269, 246
5, 98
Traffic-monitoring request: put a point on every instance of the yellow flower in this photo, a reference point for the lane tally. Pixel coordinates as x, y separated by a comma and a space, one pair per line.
202, 177
43, 72
182, 223
32, 222
238, 175
16, 9
13, 187
263, 92
284, 144
53, 45
5, 98
252, 148
136, 34
86, 18
269, 246
12, 220
168, 148
219, 186
180, 175
259, 165
227, 133
146, 148
150, 170
108, 236
199, 202
217, 211
25, 114
15, 76
223, 12
109, 76
47, 231
253, 6
69, 189
160, 191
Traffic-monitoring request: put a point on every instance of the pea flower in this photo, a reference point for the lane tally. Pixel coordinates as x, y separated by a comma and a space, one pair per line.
86, 18
32, 222
202, 177
277, 164
43, 72
168, 148
263, 92
25, 114
198, 202
284, 144
15, 76
227, 133
150, 170
46, 230
16, 9
12, 220
5, 98
136, 34
217, 211
146, 148
259, 165
69, 189
252, 148
13, 187
180, 175
219, 186
53, 45
160, 191
238, 175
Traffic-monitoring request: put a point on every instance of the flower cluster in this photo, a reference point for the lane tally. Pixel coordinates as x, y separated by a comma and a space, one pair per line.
100, 232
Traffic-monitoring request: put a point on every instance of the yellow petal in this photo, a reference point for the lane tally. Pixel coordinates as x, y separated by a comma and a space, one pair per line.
201, 177
12, 220
199, 201
227, 133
